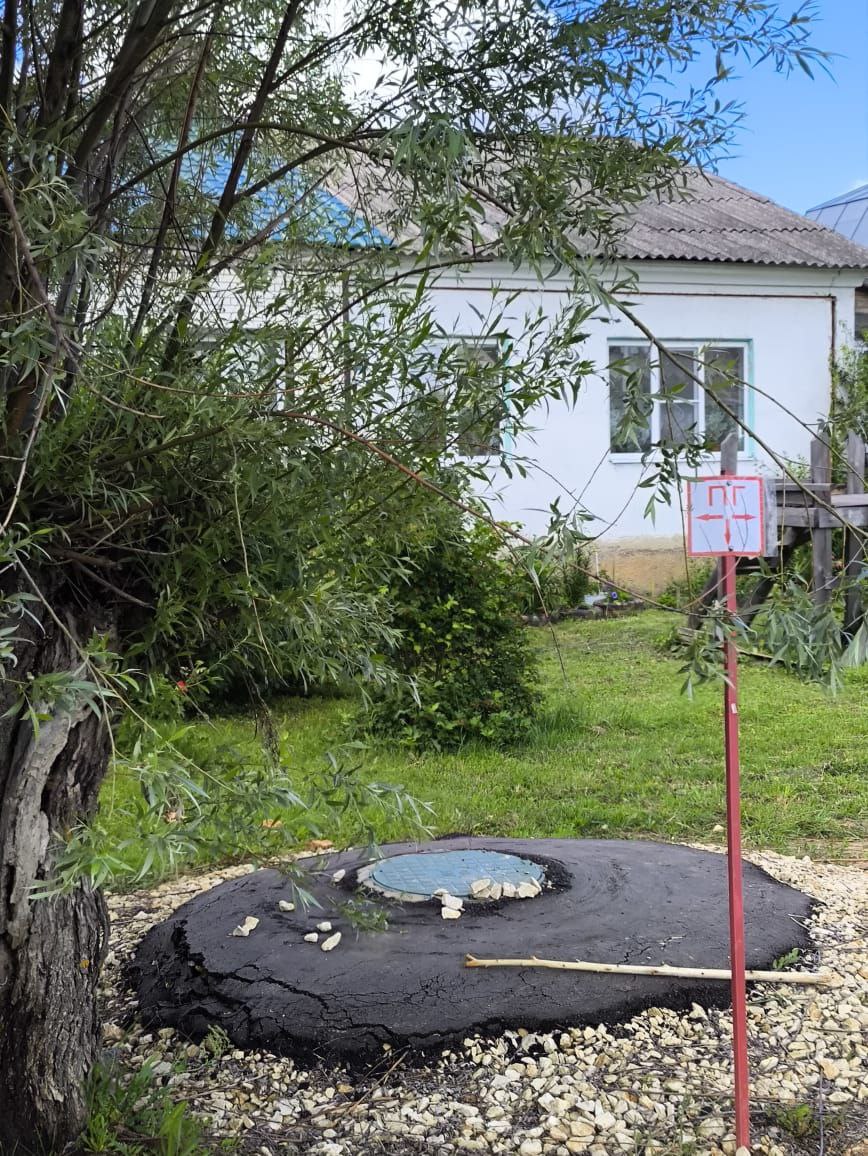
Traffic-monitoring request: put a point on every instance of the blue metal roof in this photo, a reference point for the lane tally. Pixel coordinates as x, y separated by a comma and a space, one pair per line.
846, 214
328, 220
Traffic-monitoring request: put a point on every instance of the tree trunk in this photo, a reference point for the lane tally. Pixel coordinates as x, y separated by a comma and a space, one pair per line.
50, 949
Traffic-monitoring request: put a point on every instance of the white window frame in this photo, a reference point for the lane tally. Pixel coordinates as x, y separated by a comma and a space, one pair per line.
682, 344
502, 343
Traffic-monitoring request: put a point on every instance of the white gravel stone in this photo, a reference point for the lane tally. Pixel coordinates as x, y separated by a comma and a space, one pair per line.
248, 924
338, 875
450, 912
453, 902
311, 937
324, 926
331, 943
663, 1078
285, 905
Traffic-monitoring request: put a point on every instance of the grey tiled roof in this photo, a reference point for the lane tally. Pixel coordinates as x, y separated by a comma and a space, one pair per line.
715, 220
705, 219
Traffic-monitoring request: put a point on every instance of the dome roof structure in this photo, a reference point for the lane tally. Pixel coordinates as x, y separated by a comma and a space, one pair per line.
847, 214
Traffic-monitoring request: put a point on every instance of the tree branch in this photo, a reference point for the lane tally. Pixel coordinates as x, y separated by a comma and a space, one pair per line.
8, 41
148, 23
169, 201
61, 64
230, 187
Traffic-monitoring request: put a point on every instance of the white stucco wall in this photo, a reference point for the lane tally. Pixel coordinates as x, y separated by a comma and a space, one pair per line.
793, 319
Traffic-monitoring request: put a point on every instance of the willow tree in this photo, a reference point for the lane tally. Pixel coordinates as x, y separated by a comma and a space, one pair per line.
213, 371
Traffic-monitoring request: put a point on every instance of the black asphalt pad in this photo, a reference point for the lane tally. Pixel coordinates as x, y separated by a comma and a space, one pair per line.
609, 901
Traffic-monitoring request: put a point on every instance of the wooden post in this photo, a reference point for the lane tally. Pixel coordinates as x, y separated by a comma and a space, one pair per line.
729, 453
821, 539
854, 550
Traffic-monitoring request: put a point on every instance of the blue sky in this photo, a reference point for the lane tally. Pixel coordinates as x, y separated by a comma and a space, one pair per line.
804, 141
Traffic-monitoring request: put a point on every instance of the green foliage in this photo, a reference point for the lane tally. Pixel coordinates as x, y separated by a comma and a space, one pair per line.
681, 591
130, 1114
849, 402
216, 1042
788, 960
211, 381
801, 1120
799, 635
614, 752
468, 669
791, 629
551, 580
197, 797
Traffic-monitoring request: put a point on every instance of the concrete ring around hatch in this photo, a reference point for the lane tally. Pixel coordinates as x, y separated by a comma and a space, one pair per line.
609, 901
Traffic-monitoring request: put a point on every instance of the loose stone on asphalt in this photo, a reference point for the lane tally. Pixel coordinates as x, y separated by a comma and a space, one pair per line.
608, 901
660, 1083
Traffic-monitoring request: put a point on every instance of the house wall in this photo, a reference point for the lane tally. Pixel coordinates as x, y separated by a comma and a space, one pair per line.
793, 319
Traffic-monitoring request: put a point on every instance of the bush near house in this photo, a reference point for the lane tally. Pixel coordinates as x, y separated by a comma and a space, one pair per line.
469, 670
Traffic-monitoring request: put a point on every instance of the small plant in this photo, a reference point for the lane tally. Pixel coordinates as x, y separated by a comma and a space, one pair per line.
548, 581
788, 960
216, 1042
799, 1120
130, 1112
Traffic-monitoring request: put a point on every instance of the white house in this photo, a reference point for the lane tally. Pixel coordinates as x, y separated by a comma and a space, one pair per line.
725, 277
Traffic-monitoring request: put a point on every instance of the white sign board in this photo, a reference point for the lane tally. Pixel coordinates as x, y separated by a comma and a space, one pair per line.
725, 515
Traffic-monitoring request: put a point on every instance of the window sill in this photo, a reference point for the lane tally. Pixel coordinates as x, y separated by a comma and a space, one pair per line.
638, 459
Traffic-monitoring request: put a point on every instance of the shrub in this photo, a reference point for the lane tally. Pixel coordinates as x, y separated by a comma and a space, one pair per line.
467, 665
549, 583
682, 591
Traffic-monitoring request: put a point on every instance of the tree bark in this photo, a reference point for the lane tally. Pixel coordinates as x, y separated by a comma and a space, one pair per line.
50, 949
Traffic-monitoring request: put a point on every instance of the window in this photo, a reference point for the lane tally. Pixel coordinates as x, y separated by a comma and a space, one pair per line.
659, 402
480, 425
255, 359
463, 404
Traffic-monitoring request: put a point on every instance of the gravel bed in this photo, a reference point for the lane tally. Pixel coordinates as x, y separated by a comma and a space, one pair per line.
658, 1084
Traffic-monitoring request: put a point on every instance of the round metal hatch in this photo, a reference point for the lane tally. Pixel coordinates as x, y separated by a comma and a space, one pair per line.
416, 876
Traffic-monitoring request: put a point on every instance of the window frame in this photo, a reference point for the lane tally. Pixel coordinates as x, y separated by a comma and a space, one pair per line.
699, 347
503, 344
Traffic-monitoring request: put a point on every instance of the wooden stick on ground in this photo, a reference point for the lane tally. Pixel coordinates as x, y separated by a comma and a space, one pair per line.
804, 977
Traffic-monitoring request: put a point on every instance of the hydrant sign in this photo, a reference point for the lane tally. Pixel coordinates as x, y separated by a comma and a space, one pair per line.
725, 515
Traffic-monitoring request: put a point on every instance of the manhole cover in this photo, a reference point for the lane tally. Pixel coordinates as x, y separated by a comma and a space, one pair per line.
417, 876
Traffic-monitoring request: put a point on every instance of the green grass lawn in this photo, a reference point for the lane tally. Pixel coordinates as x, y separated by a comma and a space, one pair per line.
617, 751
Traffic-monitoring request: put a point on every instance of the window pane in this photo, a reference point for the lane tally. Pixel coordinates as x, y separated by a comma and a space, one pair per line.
678, 397
480, 424
479, 432
629, 398
724, 377
678, 422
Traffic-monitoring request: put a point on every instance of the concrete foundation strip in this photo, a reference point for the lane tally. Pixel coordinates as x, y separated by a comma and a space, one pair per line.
803, 977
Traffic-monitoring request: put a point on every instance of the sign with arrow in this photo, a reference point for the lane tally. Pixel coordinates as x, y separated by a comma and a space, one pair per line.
725, 515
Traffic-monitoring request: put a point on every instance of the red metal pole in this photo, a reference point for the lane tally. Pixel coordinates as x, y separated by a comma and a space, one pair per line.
736, 893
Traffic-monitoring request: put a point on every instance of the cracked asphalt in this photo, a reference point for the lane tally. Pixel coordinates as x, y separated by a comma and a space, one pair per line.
407, 986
